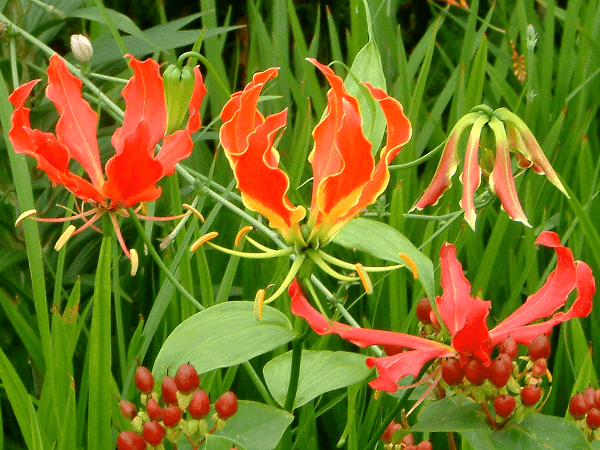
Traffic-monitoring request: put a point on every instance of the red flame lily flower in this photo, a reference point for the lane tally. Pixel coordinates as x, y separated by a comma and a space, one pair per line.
346, 177
465, 317
497, 133
130, 176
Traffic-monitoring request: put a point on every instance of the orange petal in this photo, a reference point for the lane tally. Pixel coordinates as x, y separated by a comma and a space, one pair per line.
145, 102
52, 156
501, 179
342, 161
76, 127
133, 173
248, 142
471, 176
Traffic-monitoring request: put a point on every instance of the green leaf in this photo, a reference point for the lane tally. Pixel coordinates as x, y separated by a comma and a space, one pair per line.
222, 336
385, 242
256, 426
320, 372
535, 432
121, 21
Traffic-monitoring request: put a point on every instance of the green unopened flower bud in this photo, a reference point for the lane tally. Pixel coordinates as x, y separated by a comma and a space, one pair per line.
81, 48
179, 87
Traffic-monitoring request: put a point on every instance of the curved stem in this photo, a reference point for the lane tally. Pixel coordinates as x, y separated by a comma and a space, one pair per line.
316, 257
270, 254
288, 279
418, 161
346, 265
161, 264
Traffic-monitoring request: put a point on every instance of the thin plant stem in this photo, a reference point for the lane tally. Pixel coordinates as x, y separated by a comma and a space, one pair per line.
159, 262
297, 345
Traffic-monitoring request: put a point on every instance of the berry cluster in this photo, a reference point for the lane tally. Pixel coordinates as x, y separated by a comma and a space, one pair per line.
585, 409
407, 442
507, 381
181, 408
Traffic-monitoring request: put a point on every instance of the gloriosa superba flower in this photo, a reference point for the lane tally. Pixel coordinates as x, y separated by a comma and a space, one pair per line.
346, 178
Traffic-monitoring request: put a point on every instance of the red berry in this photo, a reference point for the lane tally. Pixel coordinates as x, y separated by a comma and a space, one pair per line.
588, 394
226, 405
144, 379
389, 431
531, 394
540, 367
424, 445
154, 410
597, 398
409, 440
475, 371
410, 447
500, 370
153, 432
504, 405
130, 440
539, 347
169, 390
187, 378
452, 373
578, 406
593, 418
171, 415
423, 310
200, 404
510, 347
128, 409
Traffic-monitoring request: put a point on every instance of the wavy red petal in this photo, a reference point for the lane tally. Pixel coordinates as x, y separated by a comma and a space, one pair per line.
76, 127
342, 161
133, 173
52, 156
399, 131
552, 295
145, 102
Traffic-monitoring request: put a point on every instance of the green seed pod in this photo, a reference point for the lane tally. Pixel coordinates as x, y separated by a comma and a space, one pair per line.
179, 87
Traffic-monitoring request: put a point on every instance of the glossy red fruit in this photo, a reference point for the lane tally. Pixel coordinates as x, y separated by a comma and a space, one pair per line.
200, 404
410, 447
452, 372
593, 418
389, 431
153, 432
500, 370
154, 410
531, 394
540, 367
144, 379
187, 378
171, 415
424, 445
578, 406
409, 440
539, 347
423, 310
475, 371
597, 398
226, 405
128, 409
504, 405
589, 394
130, 440
169, 390
510, 347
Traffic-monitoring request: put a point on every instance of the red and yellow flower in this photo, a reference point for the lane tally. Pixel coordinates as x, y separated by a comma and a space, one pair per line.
497, 133
346, 178
465, 317
131, 175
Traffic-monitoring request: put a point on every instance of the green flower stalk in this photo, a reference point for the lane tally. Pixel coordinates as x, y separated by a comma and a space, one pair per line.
497, 133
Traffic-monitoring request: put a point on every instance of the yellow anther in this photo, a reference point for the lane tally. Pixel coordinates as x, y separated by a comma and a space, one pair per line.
411, 264
62, 240
364, 278
241, 235
25, 215
135, 261
194, 211
203, 240
258, 304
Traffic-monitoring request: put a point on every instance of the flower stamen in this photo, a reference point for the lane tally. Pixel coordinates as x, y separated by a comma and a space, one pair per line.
62, 240
241, 235
203, 240
411, 264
